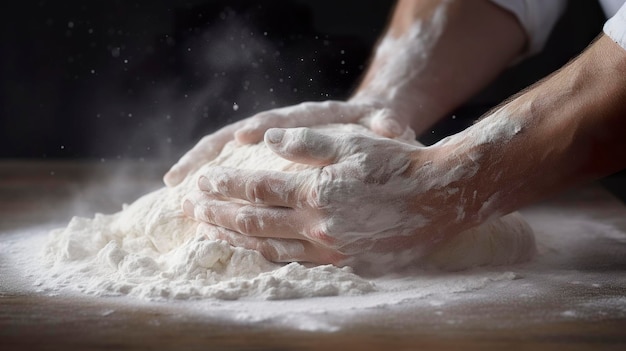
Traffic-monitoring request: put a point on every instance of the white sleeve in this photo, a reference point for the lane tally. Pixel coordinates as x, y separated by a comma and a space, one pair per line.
537, 17
615, 27
610, 7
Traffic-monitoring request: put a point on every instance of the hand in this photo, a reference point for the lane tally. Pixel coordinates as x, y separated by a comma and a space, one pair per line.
379, 119
370, 197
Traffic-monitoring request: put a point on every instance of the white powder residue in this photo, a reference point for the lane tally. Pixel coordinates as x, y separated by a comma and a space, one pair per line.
403, 58
91, 257
151, 250
575, 276
111, 264
500, 127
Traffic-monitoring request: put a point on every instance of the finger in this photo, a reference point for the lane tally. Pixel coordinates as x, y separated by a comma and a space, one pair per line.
275, 250
306, 114
204, 151
384, 123
272, 188
304, 145
260, 221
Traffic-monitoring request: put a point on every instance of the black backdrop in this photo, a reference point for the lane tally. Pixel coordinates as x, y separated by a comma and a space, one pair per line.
145, 79
127, 79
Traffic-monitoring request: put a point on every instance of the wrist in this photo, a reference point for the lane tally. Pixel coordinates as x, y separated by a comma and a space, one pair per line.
485, 164
416, 110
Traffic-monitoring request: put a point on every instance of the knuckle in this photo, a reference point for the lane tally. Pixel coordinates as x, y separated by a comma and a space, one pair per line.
255, 192
267, 250
318, 195
207, 214
321, 236
247, 222
218, 182
383, 113
298, 135
314, 199
297, 141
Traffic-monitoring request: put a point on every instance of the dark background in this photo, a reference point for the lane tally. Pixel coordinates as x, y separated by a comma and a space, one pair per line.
145, 79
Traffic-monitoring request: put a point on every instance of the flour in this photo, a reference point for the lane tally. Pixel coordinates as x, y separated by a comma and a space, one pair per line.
199, 268
91, 256
152, 251
402, 59
580, 240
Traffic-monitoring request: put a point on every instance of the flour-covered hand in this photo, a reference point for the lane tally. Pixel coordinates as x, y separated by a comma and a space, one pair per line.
380, 119
368, 196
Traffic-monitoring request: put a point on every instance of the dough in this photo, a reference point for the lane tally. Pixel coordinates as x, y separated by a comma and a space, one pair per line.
502, 241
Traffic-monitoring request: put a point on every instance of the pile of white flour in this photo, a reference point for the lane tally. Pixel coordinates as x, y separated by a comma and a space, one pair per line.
151, 250
95, 257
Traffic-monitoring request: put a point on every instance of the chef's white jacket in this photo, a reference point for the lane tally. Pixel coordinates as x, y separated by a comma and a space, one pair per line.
538, 17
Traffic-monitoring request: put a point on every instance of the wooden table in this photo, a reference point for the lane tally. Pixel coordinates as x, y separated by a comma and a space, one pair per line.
42, 192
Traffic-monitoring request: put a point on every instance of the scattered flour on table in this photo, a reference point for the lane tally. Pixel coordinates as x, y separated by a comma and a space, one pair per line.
152, 251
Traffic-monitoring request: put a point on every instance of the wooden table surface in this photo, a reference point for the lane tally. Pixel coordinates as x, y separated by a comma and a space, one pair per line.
34, 193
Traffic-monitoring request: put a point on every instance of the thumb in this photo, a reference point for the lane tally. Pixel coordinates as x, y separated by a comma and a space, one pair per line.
304, 145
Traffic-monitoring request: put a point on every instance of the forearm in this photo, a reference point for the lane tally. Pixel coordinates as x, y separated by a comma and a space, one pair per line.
566, 130
436, 54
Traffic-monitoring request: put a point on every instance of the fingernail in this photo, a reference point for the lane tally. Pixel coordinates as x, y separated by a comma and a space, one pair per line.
274, 135
188, 208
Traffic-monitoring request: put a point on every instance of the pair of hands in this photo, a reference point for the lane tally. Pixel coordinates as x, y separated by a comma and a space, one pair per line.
362, 203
